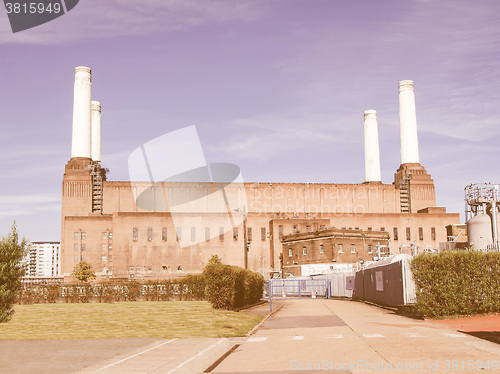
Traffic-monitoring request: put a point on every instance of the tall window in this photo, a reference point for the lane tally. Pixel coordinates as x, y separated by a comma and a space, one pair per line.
295, 229
193, 234
395, 233
408, 234
321, 249
178, 232
420, 233
308, 228
370, 248
207, 233
249, 234
304, 251
221, 234
340, 248
164, 234
280, 231
433, 233
135, 234
353, 248
235, 233
290, 252
263, 233
150, 234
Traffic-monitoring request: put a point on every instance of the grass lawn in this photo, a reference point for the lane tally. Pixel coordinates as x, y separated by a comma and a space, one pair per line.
165, 319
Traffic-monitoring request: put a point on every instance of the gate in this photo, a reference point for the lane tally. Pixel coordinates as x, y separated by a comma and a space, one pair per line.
298, 288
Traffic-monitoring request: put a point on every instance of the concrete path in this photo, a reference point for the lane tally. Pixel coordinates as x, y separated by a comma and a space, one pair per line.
350, 337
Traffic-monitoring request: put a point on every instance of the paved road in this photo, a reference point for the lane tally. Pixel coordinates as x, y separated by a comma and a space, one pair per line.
356, 338
304, 336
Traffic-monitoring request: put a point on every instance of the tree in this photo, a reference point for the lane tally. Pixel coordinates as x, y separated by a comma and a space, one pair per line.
12, 269
83, 272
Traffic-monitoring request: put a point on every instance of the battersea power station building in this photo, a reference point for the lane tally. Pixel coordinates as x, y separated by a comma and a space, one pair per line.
176, 211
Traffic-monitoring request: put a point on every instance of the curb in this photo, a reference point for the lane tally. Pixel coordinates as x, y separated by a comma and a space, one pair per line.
252, 331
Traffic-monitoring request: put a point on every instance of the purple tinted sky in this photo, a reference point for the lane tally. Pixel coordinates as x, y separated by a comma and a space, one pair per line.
277, 87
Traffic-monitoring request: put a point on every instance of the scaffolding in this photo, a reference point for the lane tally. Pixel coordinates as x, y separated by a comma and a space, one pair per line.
97, 178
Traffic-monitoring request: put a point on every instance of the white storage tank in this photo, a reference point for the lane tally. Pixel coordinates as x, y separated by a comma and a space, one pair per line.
479, 232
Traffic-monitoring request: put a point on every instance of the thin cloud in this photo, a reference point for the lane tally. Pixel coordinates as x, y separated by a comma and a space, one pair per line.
93, 19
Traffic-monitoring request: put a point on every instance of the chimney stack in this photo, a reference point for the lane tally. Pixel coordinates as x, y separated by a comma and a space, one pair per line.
81, 143
372, 152
96, 131
408, 123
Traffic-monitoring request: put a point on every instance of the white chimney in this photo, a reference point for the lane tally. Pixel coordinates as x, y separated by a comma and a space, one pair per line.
96, 131
80, 146
372, 152
408, 123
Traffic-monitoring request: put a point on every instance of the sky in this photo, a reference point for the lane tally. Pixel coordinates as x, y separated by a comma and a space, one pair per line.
278, 87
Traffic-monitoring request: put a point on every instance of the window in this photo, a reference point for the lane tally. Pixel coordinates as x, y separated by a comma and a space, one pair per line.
104, 247
77, 235
322, 227
110, 258
110, 247
395, 231
321, 249
294, 229
304, 251
76, 247
420, 233
110, 235
104, 235
84, 247
369, 229
84, 235
382, 229
221, 234
150, 234
131, 268
193, 234
103, 258
235, 233
249, 234
340, 248
370, 248
280, 231
353, 248
207, 233
433, 233
308, 228
76, 259
83, 258
290, 252
135, 234
164, 234
178, 232
263, 233
408, 234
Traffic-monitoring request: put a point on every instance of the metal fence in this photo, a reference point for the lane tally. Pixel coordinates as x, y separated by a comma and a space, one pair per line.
298, 288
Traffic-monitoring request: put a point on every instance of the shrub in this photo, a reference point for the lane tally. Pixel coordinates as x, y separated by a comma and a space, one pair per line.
231, 287
457, 283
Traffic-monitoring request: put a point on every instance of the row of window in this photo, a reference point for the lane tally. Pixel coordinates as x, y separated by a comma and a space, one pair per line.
340, 249
109, 258
420, 233
83, 235
193, 232
83, 247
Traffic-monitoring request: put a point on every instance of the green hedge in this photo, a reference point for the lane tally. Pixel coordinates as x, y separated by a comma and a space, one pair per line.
191, 287
457, 283
230, 287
